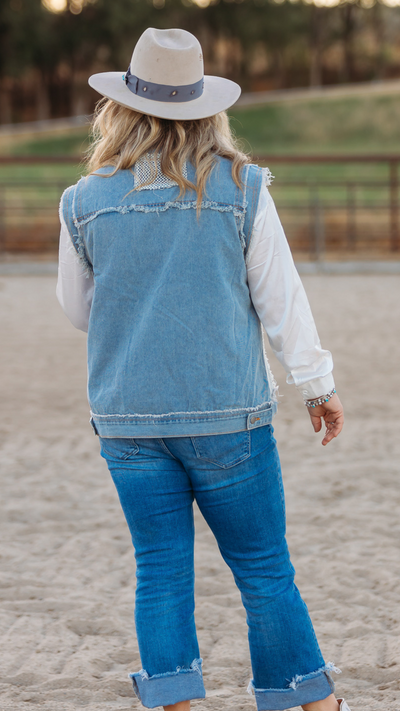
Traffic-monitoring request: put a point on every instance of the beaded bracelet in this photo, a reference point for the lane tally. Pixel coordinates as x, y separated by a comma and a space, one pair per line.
320, 400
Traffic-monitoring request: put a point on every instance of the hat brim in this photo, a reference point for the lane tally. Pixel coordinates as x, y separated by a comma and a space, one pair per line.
218, 94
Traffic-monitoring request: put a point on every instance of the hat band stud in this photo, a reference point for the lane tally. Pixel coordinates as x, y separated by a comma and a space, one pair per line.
163, 92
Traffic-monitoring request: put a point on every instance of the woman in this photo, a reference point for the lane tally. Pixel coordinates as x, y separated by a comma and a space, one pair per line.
171, 256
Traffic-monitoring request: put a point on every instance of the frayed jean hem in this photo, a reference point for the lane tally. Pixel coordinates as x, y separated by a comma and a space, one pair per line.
171, 687
301, 690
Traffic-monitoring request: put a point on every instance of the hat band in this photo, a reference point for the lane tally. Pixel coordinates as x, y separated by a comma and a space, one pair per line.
163, 92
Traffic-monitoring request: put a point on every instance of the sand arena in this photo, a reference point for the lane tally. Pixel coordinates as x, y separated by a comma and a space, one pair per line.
67, 636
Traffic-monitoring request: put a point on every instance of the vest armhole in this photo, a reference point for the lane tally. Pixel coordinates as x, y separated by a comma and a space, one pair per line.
66, 212
67, 206
254, 179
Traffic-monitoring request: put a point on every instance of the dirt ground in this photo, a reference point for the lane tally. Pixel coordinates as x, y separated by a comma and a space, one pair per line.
67, 637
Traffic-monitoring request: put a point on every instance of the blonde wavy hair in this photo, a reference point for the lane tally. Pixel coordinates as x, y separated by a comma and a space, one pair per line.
120, 136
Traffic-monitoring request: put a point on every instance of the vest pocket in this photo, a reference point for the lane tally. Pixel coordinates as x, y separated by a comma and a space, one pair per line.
118, 447
223, 450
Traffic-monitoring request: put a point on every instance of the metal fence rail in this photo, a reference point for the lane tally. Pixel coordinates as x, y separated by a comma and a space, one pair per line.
29, 215
360, 214
325, 205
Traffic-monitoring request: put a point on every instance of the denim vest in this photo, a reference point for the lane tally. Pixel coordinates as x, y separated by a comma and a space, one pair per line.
174, 343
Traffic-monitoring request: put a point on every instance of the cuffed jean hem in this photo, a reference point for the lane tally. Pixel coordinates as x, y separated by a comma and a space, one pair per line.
302, 690
171, 687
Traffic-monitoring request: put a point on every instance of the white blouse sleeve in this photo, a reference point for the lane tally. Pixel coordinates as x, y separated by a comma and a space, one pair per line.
282, 305
75, 285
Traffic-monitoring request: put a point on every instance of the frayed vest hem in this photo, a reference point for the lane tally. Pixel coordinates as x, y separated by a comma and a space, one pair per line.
209, 423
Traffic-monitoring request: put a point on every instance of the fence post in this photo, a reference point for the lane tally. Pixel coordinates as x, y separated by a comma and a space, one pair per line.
2, 221
351, 216
319, 227
394, 206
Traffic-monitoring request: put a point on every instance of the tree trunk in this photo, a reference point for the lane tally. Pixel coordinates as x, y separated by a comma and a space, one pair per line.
348, 37
315, 75
5, 102
379, 31
42, 102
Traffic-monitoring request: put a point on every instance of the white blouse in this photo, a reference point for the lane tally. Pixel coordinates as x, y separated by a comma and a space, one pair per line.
276, 292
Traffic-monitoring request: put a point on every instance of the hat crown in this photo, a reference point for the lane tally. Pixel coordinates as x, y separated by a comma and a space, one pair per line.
172, 57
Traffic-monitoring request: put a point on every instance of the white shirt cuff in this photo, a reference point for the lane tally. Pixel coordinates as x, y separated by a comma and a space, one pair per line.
317, 387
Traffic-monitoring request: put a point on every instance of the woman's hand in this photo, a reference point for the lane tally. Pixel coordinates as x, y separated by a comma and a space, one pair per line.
332, 413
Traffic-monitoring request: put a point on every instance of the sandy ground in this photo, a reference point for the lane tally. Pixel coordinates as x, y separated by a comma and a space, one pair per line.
67, 636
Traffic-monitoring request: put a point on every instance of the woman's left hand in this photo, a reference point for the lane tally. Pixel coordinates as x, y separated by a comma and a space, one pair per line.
332, 414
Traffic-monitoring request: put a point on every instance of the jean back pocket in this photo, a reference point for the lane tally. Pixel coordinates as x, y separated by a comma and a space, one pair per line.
223, 450
118, 447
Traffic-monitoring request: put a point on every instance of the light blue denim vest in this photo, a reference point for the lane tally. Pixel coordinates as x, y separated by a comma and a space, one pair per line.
174, 343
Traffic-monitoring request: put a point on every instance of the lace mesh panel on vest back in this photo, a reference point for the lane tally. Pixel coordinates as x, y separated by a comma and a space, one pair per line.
144, 171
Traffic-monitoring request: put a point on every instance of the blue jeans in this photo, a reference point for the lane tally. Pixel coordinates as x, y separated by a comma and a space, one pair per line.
236, 481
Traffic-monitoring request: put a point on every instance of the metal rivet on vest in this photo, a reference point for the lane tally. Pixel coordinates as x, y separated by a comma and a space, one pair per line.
254, 419
174, 93
145, 88
192, 92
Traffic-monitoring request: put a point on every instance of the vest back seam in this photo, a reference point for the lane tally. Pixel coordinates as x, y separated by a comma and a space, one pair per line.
157, 207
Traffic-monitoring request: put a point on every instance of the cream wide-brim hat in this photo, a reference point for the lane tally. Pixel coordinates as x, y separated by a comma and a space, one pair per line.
166, 79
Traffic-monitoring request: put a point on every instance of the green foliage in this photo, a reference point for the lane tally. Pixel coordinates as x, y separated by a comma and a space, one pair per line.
364, 124
61, 174
66, 144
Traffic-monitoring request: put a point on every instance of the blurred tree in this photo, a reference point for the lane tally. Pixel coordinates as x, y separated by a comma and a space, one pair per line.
380, 37
5, 35
48, 47
348, 10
